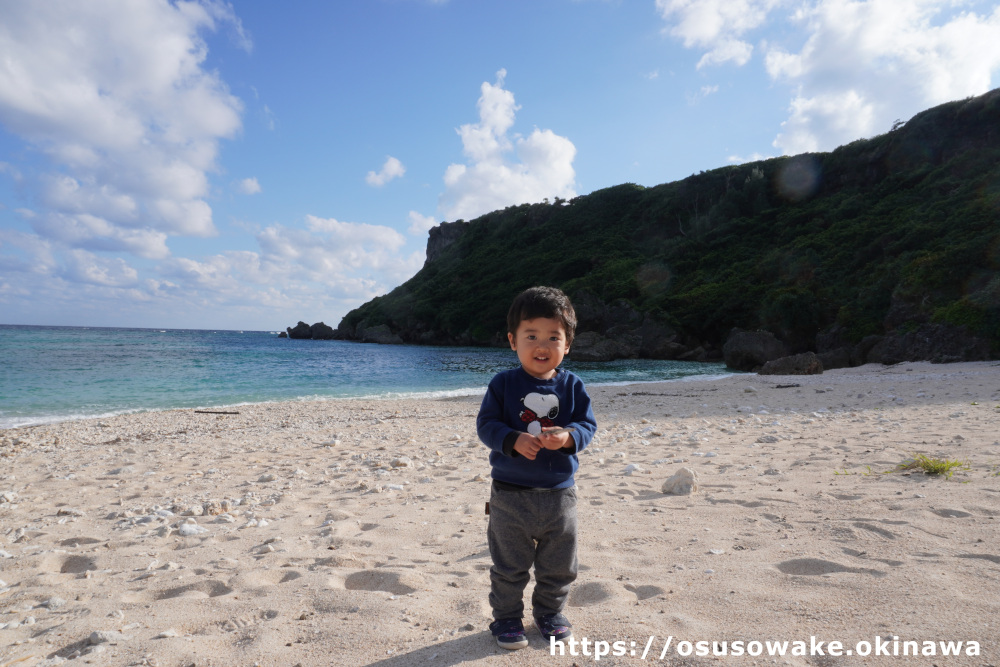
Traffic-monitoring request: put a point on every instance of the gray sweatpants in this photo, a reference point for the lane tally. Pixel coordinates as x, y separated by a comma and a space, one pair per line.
531, 527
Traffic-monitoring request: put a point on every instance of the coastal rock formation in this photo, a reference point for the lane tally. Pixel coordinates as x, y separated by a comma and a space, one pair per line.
618, 330
806, 363
931, 342
322, 331
318, 331
749, 350
442, 236
940, 343
378, 334
592, 346
300, 330
667, 272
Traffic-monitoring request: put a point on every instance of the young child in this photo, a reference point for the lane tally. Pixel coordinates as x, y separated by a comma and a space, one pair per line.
533, 500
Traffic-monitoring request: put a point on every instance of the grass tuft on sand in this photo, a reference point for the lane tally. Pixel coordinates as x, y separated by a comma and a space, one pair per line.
933, 466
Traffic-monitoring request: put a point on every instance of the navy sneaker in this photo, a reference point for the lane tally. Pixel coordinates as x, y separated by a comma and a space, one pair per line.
509, 633
554, 626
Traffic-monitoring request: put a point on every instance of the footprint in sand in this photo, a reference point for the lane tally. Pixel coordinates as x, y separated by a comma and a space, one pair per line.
814, 567
473, 608
344, 560
645, 592
263, 578
592, 593
79, 541
337, 515
397, 583
67, 564
889, 535
952, 514
863, 554
989, 557
249, 620
199, 590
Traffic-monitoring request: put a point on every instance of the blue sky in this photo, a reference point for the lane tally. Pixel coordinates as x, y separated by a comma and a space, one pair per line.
247, 165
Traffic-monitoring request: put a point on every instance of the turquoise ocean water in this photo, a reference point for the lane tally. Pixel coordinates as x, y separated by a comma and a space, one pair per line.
59, 373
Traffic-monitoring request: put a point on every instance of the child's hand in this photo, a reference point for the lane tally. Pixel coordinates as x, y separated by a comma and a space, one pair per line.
527, 446
554, 440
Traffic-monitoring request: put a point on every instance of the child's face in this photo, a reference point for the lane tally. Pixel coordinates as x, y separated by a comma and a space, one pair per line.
540, 345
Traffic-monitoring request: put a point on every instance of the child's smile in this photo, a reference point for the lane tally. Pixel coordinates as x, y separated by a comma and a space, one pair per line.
540, 345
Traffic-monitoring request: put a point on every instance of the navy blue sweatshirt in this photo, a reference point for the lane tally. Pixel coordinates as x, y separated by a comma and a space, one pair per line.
515, 403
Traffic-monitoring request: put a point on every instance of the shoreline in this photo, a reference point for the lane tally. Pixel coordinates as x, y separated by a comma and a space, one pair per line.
32, 422
352, 532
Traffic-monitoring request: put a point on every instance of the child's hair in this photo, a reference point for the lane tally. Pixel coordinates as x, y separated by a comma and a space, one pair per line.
536, 302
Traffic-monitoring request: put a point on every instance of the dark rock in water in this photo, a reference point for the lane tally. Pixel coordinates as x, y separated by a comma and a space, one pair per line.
749, 350
283, 334
300, 330
321, 331
378, 334
806, 363
939, 343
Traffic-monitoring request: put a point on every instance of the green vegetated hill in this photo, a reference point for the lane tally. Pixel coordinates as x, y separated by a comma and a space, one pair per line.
880, 236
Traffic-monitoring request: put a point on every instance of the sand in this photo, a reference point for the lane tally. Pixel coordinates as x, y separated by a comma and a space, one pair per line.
353, 532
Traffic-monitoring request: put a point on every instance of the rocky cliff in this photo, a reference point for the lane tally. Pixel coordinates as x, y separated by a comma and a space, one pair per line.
884, 249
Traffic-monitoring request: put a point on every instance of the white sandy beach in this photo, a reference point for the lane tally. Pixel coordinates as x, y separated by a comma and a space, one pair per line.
353, 532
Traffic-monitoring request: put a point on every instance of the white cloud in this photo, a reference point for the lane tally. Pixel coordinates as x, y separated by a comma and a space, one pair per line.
844, 116
328, 261
249, 186
854, 66
25, 253
705, 91
11, 170
714, 24
489, 181
67, 195
392, 168
753, 157
84, 267
732, 50
866, 64
270, 119
329, 248
420, 224
97, 234
115, 95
